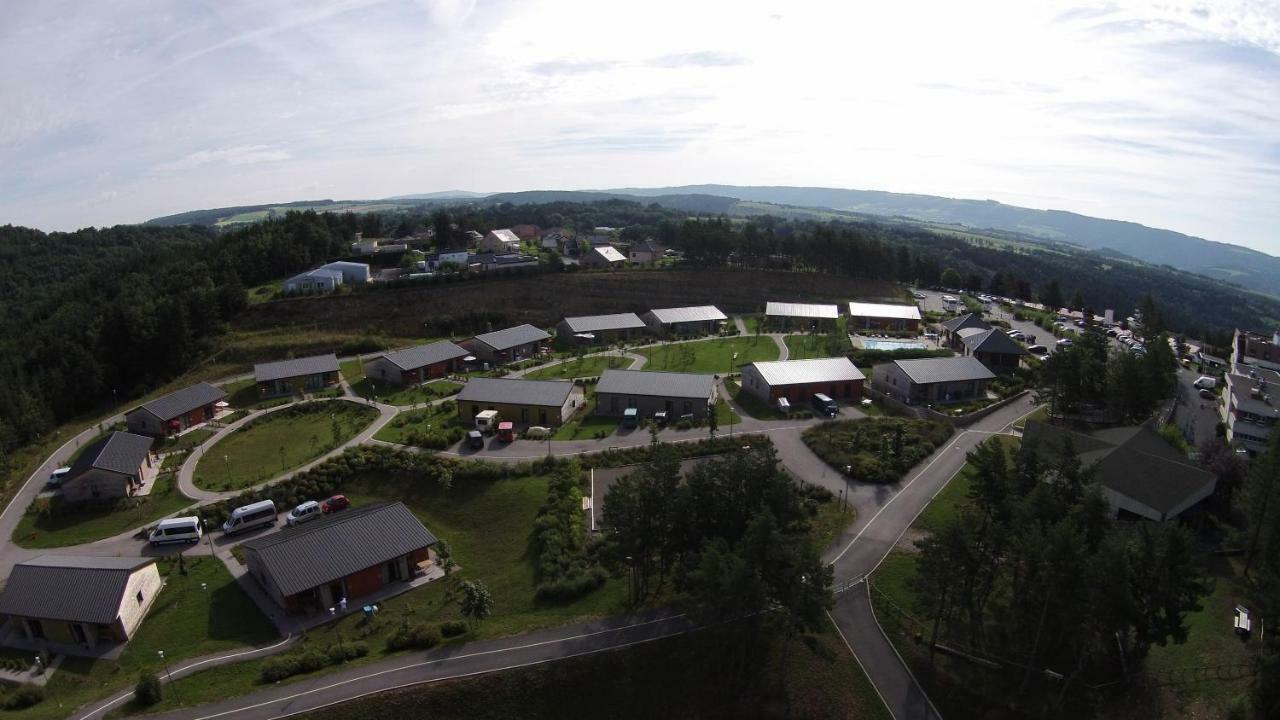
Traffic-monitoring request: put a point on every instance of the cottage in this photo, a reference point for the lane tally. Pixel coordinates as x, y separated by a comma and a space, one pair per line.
992, 348
509, 345
599, 328
548, 403
500, 241
299, 375
176, 411
697, 320
72, 604
784, 316
347, 555
951, 328
313, 282
877, 316
559, 241
116, 466
416, 364
473, 238
603, 256
1141, 474
676, 394
645, 252
932, 380
799, 380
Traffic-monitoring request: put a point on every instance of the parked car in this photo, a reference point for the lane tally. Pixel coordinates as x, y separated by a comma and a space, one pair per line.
1207, 394
918, 295
248, 517
487, 421
506, 431
631, 417
825, 405
307, 511
57, 476
660, 417
537, 432
784, 405
175, 530
1038, 350
1064, 342
475, 440
334, 504
1016, 335
1204, 381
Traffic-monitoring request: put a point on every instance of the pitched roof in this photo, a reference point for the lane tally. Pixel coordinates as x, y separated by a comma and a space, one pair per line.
594, 323
646, 245
317, 273
338, 545
505, 235
609, 252
817, 370
119, 452
944, 369
656, 384
992, 341
513, 336
696, 313
968, 320
67, 587
297, 367
423, 355
878, 310
1133, 461
188, 398
805, 310
514, 391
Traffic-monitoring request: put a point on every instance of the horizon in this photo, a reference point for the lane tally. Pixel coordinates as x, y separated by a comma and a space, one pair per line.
1158, 114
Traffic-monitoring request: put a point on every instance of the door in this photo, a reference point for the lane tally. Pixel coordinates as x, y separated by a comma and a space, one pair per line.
393, 571
37, 629
542, 418
336, 592
78, 634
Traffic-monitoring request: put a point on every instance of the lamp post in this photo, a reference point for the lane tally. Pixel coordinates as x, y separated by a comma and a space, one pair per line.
168, 674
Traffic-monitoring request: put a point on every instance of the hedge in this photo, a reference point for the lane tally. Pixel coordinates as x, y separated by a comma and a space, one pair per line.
864, 358
275, 669
421, 636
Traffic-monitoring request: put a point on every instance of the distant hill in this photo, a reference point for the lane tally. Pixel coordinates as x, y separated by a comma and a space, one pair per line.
443, 195
1249, 268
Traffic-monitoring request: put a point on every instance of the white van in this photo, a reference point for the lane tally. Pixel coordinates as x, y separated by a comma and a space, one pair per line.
174, 530
784, 405
247, 517
309, 510
1204, 382
57, 476
487, 421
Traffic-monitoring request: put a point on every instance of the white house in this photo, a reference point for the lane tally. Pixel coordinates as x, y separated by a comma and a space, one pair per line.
313, 281
500, 241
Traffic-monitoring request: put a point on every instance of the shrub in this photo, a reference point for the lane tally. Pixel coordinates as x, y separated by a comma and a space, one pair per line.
421, 636
24, 697
278, 668
863, 358
148, 691
452, 628
876, 450
346, 652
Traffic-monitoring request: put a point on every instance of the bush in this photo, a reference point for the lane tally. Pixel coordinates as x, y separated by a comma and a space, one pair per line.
876, 450
421, 636
148, 691
24, 697
452, 628
863, 358
275, 669
571, 587
346, 652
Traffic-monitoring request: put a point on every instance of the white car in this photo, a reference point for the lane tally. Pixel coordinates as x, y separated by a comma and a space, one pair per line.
307, 511
1064, 342
1205, 382
1038, 350
918, 295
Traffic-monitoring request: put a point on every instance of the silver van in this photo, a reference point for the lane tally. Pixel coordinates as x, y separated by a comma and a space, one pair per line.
309, 510
176, 530
248, 517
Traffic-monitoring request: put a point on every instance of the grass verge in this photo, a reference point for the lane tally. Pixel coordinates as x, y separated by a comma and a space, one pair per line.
709, 356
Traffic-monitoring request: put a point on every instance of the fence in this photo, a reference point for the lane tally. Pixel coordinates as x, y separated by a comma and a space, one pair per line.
925, 413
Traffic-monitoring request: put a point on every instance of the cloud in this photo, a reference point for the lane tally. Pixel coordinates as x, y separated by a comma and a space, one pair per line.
242, 155
697, 59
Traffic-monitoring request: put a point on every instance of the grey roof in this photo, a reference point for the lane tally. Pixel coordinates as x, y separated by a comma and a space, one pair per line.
992, 341
188, 398
318, 272
119, 452
281, 369
799, 372
657, 384
512, 337
879, 310
68, 587
697, 313
596, 323
338, 545
423, 355
805, 310
968, 320
944, 369
512, 391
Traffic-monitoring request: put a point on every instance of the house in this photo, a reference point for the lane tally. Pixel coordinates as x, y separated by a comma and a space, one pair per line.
951, 328
547, 403
603, 256
785, 316
313, 282
696, 320
677, 394
799, 380
509, 345
500, 241
877, 316
458, 259
645, 252
1141, 474
353, 273
299, 375
992, 348
364, 247
176, 411
560, 240
525, 231
116, 466
599, 328
55, 602
1248, 410
416, 364
473, 238
347, 555
932, 380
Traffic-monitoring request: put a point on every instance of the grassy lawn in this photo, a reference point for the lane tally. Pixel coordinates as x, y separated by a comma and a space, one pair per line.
392, 394
398, 430
488, 524
73, 526
352, 370
710, 356
185, 621
586, 424
279, 441
184, 442
580, 367
243, 394
725, 414
1041, 414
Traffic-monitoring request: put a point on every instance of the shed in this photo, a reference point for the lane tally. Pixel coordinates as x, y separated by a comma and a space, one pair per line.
878, 316
787, 316
933, 380
113, 467
508, 345
600, 328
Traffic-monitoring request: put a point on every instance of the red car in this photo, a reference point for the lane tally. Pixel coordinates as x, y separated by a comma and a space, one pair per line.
334, 504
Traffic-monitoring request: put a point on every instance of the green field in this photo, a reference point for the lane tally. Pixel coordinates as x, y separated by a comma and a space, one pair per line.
806, 347
586, 424
72, 526
399, 429
279, 441
710, 356
591, 366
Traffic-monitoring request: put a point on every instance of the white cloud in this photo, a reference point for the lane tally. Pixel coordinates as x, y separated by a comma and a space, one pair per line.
242, 155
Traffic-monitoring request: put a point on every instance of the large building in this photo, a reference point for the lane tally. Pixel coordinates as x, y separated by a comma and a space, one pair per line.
299, 375
933, 380
353, 273
176, 411
696, 320
416, 364
676, 394
877, 316
70, 604
1141, 474
1249, 348
114, 467
508, 345
799, 380
346, 555
800, 317
545, 403
313, 282
599, 328
1248, 409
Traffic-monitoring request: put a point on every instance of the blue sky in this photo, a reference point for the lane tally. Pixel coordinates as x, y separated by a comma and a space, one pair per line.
1165, 113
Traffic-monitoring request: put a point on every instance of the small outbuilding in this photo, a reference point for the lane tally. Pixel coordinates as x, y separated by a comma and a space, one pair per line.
176, 411
115, 466
416, 364
800, 317
509, 345
299, 375
599, 328
878, 316
798, 380
547, 403
933, 380
696, 320
676, 394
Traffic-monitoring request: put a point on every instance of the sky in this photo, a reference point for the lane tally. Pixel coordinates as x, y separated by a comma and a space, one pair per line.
1164, 113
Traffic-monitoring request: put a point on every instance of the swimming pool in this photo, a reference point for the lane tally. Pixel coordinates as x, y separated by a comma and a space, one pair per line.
874, 344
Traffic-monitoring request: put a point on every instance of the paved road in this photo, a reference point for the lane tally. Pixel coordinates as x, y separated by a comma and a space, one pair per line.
1195, 416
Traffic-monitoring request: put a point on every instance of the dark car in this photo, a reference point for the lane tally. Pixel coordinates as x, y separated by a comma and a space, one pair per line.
475, 440
334, 504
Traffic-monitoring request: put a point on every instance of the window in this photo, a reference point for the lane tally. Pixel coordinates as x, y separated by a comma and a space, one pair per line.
140, 598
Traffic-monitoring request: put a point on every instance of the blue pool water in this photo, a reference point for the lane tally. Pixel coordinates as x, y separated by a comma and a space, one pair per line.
870, 344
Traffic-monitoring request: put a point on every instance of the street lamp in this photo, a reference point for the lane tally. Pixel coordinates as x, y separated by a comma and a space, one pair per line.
168, 674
